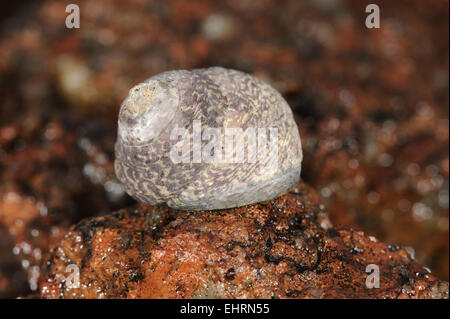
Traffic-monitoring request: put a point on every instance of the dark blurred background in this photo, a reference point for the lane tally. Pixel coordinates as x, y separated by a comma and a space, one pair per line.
371, 105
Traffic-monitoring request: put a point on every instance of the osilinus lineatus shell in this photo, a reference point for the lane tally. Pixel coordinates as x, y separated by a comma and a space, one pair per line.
206, 139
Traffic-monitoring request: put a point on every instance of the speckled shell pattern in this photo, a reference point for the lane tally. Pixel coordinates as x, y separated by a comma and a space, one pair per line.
219, 98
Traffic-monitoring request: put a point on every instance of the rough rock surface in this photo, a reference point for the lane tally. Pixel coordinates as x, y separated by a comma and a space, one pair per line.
54, 171
285, 248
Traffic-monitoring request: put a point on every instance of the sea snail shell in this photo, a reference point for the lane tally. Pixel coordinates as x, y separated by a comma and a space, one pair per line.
174, 144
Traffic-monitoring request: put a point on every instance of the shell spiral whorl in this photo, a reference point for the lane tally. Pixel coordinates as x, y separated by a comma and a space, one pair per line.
192, 113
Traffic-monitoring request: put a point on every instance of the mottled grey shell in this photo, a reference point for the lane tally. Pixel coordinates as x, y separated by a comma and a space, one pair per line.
219, 98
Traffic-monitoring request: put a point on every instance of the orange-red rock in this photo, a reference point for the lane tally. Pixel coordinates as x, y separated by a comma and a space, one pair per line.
285, 248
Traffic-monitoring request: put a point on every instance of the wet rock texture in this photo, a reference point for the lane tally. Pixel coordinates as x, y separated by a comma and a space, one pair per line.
54, 170
285, 248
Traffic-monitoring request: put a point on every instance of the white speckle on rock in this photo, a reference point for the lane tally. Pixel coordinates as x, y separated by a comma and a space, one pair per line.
218, 27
